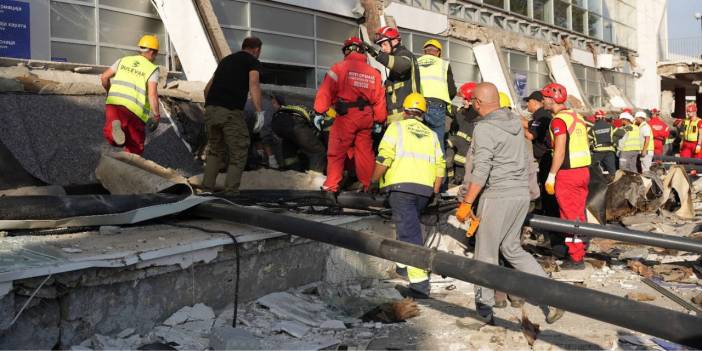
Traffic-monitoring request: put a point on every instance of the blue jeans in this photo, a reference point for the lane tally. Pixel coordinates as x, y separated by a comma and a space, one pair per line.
406, 209
435, 119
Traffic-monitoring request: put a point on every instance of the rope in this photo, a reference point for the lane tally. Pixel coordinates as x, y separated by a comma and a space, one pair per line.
28, 301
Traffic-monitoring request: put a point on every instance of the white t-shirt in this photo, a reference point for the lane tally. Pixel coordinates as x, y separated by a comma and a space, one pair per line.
646, 131
153, 78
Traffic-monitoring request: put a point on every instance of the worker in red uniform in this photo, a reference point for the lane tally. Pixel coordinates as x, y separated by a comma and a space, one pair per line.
661, 132
355, 90
691, 144
569, 177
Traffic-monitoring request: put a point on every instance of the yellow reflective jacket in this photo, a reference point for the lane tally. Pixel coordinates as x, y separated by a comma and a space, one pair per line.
129, 85
577, 146
433, 75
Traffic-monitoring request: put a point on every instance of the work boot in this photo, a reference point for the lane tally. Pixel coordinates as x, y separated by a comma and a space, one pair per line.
117, 133
209, 179
573, 265
500, 300
515, 302
554, 314
484, 316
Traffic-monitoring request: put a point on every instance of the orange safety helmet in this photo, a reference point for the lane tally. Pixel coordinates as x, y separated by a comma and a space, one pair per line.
466, 90
556, 92
386, 33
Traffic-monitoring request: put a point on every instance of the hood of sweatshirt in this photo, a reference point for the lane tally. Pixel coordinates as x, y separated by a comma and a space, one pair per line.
504, 119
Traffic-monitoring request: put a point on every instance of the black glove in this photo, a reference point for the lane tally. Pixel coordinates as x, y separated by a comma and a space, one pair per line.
374, 187
152, 123
370, 49
434, 200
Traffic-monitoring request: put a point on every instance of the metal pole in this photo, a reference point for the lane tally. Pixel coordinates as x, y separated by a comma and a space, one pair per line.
678, 160
615, 233
653, 320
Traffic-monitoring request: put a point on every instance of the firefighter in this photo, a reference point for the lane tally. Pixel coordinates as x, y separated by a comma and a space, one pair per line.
647, 141
628, 141
601, 143
355, 90
569, 177
661, 132
691, 143
403, 78
132, 97
294, 125
460, 134
411, 167
438, 87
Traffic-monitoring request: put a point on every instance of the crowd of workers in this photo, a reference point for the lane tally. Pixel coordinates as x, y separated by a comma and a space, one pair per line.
395, 137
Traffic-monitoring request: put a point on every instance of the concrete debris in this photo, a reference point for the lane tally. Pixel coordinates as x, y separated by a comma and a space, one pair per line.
228, 338
288, 306
333, 324
198, 312
126, 333
293, 328
638, 296
71, 250
270, 179
635, 253
675, 273
698, 299
181, 338
641, 269
109, 230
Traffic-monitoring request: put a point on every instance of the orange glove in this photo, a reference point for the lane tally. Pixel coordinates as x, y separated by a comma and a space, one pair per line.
550, 184
698, 148
678, 122
463, 211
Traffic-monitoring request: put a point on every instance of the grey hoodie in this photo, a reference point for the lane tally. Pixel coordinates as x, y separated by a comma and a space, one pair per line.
500, 156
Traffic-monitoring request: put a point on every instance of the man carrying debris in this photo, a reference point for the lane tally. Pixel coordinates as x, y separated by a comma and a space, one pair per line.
293, 124
132, 97
438, 87
403, 78
411, 166
354, 89
500, 165
569, 176
661, 132
647, 144
225, 97
691, 144
628, 141
602, 145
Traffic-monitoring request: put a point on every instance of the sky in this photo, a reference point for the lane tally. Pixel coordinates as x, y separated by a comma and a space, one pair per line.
681, 19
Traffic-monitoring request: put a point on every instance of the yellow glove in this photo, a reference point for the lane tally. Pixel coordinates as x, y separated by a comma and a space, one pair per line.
550, 184
463, 211
698, 148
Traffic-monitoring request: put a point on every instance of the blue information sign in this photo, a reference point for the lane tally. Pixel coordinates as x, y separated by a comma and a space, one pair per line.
14, 29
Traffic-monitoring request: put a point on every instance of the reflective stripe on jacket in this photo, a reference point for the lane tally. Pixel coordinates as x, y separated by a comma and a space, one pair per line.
601, 136
650, 138
631, 140
128, 87
412, 153
577, 147
692, 131
433, 73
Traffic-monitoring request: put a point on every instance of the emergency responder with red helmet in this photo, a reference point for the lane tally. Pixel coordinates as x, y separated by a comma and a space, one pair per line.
354, 89
661, 132
691, 144
569, 176
403, 78
460, 135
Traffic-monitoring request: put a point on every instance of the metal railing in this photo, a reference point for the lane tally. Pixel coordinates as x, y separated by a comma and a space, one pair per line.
682, 49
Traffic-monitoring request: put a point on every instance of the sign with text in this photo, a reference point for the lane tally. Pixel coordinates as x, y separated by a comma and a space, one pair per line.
14, 29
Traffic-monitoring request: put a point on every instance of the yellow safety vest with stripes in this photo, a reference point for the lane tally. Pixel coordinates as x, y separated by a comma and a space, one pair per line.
632, 139
691, 131
577, 146
433, 76
650, 137
128, 86
413, 155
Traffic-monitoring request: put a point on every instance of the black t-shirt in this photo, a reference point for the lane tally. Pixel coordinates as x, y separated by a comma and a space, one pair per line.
230, 84
538, 126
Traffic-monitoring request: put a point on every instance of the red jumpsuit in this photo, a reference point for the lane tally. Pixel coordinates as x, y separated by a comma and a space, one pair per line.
350, 134
132, 126
661, 131
687, 148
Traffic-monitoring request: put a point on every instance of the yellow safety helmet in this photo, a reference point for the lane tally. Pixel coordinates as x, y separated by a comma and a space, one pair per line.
415, 101
505, 101
149, 42
433, 42
331, 112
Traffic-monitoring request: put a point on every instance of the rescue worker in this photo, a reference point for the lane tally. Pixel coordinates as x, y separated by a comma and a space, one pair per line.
628, 141
569, 176
691, 143
410, 165
354, 89
601, 143
294, 125
132, 97
500, 163
225, 98
403, 77
647, 141
661, 132
505, 101
460, 134
437, 86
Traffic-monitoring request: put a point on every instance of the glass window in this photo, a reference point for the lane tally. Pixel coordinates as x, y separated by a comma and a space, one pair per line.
520, 7
454, 10
281, 20
496, 3
420, 3
125, 29
581, 3
460, 52
595, 6
328, 54
109, 55
609, 8
132, 5
594, 26
627, 15
560, 13
288, 75
65, 52
419, 40
518, 61
73, 22
235, 37
438, 5
542, 10
231, 13
464, 72
279, 48
578, 16
334, 30
607, 32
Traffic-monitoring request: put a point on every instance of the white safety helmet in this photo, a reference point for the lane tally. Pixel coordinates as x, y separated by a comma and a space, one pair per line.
641, 114
627, 116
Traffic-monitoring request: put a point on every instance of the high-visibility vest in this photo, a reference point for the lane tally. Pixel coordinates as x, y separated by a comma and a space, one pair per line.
433, 76
413, 155
128, 86
691, 131
650, 137
632, 139
577, 147
601, 136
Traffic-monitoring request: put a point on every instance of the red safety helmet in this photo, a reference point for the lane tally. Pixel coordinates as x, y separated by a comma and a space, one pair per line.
386, 33
599, 114
655, 112
556, 92
466, 90
628, 110
352, 41
692, 108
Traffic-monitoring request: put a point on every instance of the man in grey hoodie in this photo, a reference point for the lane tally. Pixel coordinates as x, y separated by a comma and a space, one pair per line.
501, 171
